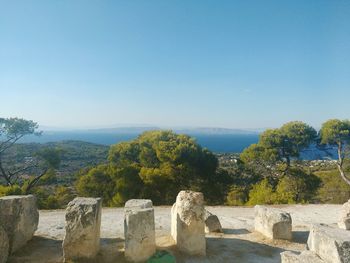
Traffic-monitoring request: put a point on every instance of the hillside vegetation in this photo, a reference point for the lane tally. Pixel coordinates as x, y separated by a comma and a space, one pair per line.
158, 164
74, 155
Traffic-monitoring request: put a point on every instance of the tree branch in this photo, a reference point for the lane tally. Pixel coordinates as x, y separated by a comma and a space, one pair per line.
4, 174
342, 174
11, 174
4, 147
33, 182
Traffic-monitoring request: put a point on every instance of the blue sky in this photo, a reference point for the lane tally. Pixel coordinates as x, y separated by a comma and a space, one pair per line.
234, 64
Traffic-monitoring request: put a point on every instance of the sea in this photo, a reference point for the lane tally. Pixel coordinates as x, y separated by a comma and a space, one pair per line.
221, 143
218, 143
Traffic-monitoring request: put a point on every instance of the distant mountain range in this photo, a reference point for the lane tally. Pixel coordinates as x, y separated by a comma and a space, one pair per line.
140, 129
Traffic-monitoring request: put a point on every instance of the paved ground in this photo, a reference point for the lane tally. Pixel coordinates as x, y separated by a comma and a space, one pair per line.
238, 243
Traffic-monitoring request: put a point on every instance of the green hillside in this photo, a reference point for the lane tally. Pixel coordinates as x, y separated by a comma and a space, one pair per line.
75, 155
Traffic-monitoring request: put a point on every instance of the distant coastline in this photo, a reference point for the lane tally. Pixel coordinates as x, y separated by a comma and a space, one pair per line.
216, 142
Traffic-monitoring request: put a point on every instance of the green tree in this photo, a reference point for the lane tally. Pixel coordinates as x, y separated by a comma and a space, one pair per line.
276, 147
332, 189
336, 133
296, 187
53, 197
11, 131
237, 196
217, 186
160, 164
156, 165
262, 193
46, 162
97, 183
10, 190
128, 185
64, 195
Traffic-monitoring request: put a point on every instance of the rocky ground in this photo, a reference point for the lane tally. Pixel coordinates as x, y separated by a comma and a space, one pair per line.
238, 243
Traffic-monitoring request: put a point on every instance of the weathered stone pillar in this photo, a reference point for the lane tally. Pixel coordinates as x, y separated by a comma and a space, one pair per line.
330, 244
139, 230
19, 218
83, 222
273, 223
344, 220
4, 245
187, 223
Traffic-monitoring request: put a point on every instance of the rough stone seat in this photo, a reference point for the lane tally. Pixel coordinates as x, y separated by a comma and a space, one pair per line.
344, 220
273, 223
330, 244
212, 222
187, 223
83, 223
139, 230
19, 218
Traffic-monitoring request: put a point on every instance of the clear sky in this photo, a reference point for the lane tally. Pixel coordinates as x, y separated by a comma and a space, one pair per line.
234, 64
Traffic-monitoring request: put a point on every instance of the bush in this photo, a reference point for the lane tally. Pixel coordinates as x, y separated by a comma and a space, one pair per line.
64, 195
296, 187
262, 193
97, 183
54, 197
333, 189
236, 196
156, 165
10, 190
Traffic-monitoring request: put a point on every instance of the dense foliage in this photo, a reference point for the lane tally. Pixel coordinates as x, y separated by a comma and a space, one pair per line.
37, 166
158, 164
337, 133
279, 146
74, 156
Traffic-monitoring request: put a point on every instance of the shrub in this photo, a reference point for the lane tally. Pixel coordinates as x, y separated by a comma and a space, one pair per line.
53, 197
96, 183
296, 187
236, 196
10, 190
156, 165
261, 193
64, 195
333, 189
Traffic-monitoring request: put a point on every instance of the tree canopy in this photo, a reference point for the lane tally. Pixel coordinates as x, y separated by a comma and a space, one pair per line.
157, 165
11, 131
280, 145
336, 133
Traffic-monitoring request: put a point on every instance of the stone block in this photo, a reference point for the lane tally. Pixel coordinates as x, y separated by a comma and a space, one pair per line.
83, 223
4, 246
139, 230
212, 223
19, 217
138, 203
344, 220
273, 223
331, 244
187, 223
